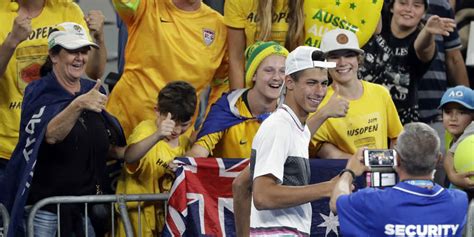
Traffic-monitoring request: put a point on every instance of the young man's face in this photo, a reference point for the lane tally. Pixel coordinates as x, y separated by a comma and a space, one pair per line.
347, 65
269, 76
456, 118
407, 13
310, 89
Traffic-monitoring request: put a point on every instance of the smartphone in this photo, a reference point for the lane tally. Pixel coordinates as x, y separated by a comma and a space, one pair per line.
381, 159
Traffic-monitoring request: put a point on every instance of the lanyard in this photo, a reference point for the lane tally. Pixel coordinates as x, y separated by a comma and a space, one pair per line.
426, 183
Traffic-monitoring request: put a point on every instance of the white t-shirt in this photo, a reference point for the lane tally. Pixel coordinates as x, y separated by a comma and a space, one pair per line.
280, 148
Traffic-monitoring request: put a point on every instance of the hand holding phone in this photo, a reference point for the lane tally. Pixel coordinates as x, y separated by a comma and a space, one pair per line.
380, 159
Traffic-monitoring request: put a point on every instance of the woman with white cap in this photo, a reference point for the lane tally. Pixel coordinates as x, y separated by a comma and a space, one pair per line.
65, 137
24, 48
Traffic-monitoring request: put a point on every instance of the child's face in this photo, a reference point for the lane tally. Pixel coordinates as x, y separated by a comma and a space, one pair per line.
179, 128
456, 118
407, 13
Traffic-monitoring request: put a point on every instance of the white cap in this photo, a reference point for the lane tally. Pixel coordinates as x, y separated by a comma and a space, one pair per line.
339, 39
301, 59
70, 36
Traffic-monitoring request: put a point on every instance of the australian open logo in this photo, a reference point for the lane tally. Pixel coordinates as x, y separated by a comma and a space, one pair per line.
77, 28
208, 36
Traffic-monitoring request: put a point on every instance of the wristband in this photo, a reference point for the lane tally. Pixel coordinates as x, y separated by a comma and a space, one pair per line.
350, 171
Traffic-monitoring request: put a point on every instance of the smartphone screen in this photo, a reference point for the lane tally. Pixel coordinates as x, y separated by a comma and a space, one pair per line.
380, 158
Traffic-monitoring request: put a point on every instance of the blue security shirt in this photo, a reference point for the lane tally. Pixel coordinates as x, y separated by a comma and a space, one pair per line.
404, 210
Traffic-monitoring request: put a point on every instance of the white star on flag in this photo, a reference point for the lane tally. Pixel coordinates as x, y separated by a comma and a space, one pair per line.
331, 223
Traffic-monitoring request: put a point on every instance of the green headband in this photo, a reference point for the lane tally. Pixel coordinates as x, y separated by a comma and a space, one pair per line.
256, 53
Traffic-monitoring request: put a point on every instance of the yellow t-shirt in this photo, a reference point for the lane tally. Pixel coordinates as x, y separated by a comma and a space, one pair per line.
242, 14
370, 121
234, 142
26, 62
164, 44
150, 176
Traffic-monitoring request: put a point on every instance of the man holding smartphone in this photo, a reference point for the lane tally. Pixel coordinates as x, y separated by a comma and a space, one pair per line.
416, 206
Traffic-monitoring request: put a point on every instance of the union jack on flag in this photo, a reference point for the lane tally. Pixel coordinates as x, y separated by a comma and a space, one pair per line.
200, 203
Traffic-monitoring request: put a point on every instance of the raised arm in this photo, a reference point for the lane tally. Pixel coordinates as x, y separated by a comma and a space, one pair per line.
344, 184
236, 49
20, 31
60, 126
456, 68
136, 151
336, 107
126, 9
425, 46
98, 58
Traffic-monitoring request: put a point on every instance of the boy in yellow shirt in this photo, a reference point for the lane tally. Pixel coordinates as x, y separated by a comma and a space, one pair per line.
152, 145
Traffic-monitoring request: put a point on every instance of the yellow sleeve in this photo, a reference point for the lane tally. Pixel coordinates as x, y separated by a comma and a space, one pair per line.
234, 14
185, 143
77, 15
69, 11
129, 9
143, 130
319, 138
210, 141
322, 134
394, 125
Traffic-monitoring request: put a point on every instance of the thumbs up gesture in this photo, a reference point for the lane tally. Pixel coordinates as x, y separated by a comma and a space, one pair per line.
93, 100
165, 125
336, 106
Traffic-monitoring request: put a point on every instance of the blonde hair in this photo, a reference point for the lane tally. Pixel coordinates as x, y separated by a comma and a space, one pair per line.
295, 33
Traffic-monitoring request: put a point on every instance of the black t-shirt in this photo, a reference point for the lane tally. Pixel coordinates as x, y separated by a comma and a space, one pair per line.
77, 164
392, 62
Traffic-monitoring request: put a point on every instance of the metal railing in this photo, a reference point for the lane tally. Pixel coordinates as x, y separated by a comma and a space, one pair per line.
121, 200
5, 220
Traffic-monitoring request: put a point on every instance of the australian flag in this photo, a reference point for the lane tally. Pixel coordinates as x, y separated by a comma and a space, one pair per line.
200, 202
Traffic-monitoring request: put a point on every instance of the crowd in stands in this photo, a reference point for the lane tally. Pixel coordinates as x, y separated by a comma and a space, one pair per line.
235, 84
